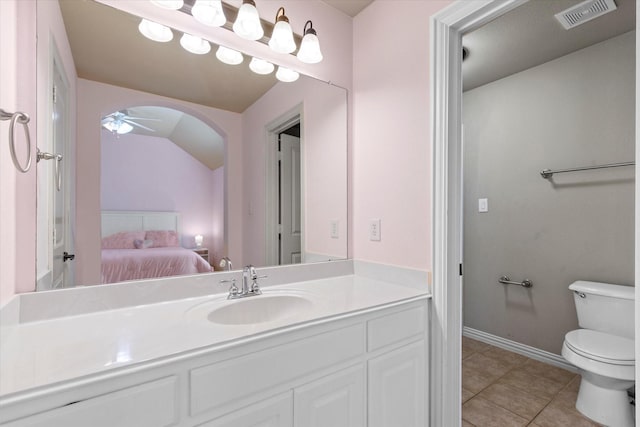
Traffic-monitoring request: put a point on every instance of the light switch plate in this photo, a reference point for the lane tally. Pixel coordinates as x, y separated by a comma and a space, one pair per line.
335, 229
374, 230
483, 205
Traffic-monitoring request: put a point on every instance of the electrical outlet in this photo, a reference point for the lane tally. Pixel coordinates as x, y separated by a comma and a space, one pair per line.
335, 229
374, 230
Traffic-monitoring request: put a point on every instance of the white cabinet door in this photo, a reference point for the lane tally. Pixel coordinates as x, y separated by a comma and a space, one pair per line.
333, 401
397, 383
273, 412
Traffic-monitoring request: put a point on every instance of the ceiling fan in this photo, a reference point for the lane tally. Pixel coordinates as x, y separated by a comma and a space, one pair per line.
120, 122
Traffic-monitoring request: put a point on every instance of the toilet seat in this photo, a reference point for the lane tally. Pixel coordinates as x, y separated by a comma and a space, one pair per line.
601, 347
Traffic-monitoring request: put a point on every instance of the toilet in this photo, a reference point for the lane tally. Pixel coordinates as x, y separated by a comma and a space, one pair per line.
603, 351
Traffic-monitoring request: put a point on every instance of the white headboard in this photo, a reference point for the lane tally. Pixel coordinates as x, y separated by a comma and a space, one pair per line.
116, 221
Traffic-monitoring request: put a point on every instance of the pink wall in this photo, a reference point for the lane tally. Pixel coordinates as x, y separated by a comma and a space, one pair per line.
172, 181
324, 157
97, 99
391, 145
17, 200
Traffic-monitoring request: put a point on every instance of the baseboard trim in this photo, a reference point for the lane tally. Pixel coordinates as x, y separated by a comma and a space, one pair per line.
516, 347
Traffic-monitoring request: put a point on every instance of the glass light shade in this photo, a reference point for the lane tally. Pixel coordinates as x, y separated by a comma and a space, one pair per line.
286, 75
154, 31
198, 239
247, 23
229, 56
209, 12
282, 38
310, 49
169, 4
194, 44
118, 126
260, 66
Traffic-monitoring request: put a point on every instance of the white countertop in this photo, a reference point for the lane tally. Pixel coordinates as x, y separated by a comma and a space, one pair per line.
43, 353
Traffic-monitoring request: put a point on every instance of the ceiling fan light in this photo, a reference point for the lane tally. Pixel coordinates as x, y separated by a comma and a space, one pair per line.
260, 66
247, 24
286, 75
229, 56
169, 4
154, 31
194, 44
118, 126
209, 12
310, 46
282, 36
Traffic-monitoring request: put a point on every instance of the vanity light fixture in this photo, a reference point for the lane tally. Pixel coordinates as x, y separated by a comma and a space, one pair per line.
209, 12
286, 75
282, 36
229, 56
260, 66
154, 31
247, 24
194, 44
169, 4
309, 46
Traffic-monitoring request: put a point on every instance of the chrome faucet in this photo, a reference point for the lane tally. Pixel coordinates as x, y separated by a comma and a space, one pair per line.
249, 284
226, 264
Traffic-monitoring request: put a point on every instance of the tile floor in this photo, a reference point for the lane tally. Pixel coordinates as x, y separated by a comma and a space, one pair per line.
503, 389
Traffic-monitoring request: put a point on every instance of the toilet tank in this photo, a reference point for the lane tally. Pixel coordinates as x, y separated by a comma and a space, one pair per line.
605, 307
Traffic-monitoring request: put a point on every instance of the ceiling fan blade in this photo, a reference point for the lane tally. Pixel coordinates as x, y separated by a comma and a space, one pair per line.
132, 123
141, 118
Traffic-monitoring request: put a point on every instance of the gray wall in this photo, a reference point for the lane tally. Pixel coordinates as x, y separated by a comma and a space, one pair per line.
574, 111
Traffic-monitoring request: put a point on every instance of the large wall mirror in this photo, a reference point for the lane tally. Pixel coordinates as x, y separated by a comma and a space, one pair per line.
168, 151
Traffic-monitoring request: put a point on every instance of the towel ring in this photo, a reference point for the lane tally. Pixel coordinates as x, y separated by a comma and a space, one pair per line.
23, 119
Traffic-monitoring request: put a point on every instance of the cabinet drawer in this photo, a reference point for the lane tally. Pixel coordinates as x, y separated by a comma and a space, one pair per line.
151, 404
213, 386
395, 327
273, 412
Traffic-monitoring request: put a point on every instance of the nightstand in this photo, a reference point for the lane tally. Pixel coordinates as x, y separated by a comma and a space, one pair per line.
203, 252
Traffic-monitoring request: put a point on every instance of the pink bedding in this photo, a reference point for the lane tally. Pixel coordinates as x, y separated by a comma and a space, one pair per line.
133, 264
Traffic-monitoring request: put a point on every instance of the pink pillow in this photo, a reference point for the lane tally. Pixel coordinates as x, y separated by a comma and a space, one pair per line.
162, 238
122, 240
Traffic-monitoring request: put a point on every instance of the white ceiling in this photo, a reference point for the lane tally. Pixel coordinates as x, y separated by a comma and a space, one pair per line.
530, 35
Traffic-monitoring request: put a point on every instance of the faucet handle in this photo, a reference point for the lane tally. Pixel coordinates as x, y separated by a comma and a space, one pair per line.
233, 289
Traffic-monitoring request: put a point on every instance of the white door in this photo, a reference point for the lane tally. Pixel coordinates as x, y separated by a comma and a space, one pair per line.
290, 203
58, 183
273, 412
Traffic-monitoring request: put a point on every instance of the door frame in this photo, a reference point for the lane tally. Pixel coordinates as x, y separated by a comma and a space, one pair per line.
446, 30
273, 129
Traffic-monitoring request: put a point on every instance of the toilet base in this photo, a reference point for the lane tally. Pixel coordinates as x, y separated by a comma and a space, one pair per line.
606, 406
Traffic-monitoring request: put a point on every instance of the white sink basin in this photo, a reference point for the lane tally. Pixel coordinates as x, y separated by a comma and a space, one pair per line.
254, 309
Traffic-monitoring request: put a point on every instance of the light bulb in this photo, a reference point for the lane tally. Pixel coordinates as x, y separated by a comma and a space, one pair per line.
248, 25
286, 75
282, 36
194, 44
209, 12
169, 4
229, 56
154, 31
260, 66
310, 46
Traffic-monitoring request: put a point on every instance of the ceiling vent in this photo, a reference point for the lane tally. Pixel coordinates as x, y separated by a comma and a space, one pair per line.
585, 11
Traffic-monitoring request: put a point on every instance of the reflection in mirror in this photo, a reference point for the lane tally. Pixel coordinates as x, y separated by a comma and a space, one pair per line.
270, 136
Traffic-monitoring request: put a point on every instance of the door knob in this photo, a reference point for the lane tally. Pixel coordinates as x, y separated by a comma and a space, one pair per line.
66, 256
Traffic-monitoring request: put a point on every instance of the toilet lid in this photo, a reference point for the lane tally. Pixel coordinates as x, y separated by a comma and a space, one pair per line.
601, 346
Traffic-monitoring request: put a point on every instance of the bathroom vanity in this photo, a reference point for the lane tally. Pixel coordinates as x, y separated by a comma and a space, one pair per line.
346, 350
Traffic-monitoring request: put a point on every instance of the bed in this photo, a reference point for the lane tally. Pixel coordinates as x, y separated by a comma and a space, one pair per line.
144, 245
